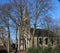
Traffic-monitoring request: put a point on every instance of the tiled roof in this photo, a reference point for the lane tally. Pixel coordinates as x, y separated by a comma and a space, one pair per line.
42, 32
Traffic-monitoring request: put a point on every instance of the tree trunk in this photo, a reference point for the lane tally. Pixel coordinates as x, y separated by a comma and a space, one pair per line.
8, 33
18, 38
34, 34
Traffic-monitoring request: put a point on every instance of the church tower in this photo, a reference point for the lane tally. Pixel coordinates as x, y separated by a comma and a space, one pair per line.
25, 38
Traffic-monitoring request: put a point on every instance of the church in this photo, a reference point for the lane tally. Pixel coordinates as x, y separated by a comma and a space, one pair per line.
42, 37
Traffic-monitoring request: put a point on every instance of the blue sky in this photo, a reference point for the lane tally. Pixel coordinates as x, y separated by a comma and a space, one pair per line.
55, 12
3, 1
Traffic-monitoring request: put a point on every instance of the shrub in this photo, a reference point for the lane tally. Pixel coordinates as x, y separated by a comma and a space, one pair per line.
44, 50
47, 50
57, 49
32, 50
39, 50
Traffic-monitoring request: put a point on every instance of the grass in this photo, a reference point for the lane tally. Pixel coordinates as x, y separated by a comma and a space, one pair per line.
44, 50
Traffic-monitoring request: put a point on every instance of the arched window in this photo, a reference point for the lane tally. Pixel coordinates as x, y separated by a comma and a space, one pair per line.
52, 41
40, 41
46, 41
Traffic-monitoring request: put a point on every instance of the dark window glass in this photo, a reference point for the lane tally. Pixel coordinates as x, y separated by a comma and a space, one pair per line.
40, 41
46, 41
52, 41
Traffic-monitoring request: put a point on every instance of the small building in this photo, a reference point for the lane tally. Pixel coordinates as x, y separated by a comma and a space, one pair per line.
44, 37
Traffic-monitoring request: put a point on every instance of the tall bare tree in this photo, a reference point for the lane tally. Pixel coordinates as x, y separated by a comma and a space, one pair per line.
40, 9
15, 12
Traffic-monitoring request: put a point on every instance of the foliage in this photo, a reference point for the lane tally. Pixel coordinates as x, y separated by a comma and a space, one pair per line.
44, 50
32, 50
57, 49
47, 50
39, 50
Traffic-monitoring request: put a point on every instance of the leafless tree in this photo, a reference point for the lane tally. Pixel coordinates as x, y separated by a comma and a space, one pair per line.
40, 9
5, 19
15, 12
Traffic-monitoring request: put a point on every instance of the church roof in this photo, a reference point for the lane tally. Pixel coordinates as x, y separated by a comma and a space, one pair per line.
42, 32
